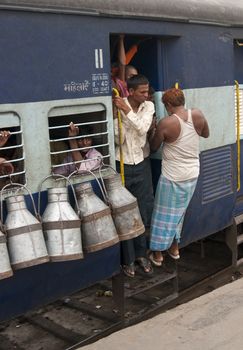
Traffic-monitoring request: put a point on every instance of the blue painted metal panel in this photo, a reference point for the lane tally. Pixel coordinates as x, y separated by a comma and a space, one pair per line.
191, 59
212, 206
43, 52
238, 58
35, 286
216, 174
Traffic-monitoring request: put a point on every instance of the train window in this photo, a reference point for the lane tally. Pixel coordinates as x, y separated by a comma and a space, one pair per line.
92, 125
12, 151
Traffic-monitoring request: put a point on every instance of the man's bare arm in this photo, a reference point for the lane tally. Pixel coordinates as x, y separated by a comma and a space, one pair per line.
72, 132
200, 123
205, 131
158, 137
4, 136
121, 57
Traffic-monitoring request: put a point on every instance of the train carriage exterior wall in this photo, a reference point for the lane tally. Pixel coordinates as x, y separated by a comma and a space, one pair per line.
61, 61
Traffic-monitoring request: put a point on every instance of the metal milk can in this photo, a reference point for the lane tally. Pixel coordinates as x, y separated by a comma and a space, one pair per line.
98, 229
5, 267
62, 227
124, 206
25, 237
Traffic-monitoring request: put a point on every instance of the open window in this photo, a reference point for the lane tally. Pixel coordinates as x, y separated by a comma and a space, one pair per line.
13, 150
92, 123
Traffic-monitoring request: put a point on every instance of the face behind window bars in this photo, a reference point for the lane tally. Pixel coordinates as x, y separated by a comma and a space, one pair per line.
92, 143
12, 167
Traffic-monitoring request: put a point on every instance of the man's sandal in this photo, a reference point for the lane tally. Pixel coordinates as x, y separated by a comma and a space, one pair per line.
129, 270
174, 255
157, 263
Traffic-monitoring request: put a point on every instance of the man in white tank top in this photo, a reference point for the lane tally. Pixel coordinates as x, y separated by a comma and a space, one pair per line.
179, 133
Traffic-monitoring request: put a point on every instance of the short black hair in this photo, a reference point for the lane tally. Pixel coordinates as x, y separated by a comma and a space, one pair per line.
85, 130
137, 80
151, 90
129, 66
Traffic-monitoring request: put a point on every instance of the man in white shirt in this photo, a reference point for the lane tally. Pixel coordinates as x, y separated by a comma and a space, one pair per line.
137, 116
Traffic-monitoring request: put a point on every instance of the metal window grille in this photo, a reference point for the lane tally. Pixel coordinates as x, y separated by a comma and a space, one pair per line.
61, 154
13, 150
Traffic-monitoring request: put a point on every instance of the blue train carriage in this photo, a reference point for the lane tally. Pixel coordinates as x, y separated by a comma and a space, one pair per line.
55, 68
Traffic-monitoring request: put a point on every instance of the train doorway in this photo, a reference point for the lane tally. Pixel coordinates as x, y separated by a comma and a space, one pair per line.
142, 52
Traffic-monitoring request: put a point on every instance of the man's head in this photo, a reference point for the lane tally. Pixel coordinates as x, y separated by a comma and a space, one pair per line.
173, 98
138, 87
130, 71
151, 94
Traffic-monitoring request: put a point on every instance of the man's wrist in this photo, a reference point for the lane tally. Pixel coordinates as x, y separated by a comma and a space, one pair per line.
127, 110
73, 143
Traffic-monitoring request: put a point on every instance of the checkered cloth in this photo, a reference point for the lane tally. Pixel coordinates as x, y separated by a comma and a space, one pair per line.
171, 201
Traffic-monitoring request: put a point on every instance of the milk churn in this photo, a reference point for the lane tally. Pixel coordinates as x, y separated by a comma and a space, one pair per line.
25, 237
62, 227
98, 229
124, 206
5, 267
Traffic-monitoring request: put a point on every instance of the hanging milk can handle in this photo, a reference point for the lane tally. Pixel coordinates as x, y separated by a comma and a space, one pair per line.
17, 190
102, 180
96, 178
102, 188
61, 177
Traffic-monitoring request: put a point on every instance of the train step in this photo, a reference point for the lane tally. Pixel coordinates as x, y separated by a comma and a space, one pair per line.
239, 219
164, 279
239, 241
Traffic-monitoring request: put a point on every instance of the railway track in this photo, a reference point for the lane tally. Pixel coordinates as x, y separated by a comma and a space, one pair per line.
110, 305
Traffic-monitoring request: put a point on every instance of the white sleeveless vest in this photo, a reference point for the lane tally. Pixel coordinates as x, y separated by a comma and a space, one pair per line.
180, 159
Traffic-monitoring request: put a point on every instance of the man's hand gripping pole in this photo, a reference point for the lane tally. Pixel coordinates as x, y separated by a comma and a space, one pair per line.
120, 140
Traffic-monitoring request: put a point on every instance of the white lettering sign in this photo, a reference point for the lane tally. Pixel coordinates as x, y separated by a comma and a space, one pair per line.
100, 83
77, 87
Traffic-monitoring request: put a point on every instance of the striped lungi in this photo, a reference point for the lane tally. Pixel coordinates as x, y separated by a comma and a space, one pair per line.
171, 202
